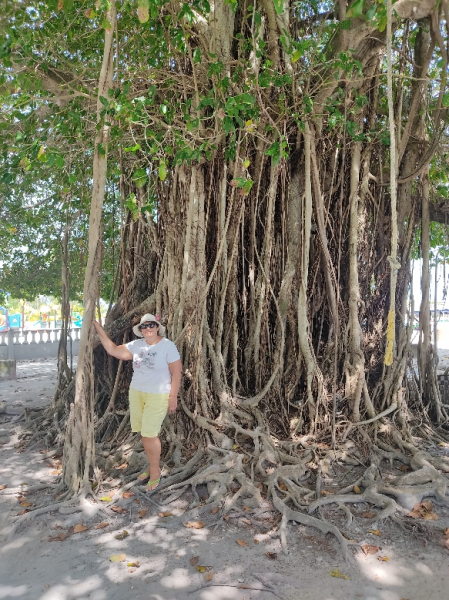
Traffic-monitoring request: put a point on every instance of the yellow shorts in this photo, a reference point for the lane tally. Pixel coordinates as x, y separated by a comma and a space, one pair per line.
147, 411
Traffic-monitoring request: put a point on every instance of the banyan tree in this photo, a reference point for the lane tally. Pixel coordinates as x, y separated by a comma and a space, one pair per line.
275, 166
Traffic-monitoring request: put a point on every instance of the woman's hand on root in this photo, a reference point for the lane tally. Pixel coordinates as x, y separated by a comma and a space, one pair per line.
172, 404
96, 325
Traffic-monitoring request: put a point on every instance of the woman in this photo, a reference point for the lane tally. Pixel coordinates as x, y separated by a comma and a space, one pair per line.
154, 385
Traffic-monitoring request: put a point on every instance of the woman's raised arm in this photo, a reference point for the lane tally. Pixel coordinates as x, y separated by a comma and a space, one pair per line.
120, 352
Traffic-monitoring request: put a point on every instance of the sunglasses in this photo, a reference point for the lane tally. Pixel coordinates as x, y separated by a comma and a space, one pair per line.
148, 325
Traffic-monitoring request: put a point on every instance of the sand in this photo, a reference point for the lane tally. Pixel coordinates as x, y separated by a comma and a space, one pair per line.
79, 567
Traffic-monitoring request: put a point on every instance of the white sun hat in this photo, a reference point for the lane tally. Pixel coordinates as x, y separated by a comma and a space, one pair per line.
147, 319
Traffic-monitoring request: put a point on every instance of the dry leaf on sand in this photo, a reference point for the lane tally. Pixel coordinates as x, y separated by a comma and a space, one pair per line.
122, 536
142, 513
214, 510
423, 510
208, 577
118, 509
132, 569
117, 558
128, 494
26, 504
271, 555
2, 487
383, 558
194, 560
337, 573
79, 528
241, 542
101, 525
369, 549
194, 524
22, 512
135, 564
123, 466
59, 538
357, 490
368, 514
166, 514
374, 531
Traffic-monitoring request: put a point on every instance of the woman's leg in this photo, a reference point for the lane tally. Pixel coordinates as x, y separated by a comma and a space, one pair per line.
152, 446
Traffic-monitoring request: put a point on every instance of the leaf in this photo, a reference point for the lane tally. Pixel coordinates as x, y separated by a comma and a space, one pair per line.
105, 499
194, 524
22, 512
142, 11
250, 126
357, 490
101, 525
208, 577
79, 528
26, 504
127, 494
369, 549
59, 538
356, 9
282, 486
201, 568
123, 466
194, 560
215, 510
117, 558
118, 509
197, 55
162, 171
271, 555
56, 472
423, 510
122, 536
132, 569
367, 514
142, 513
41, 152
166, 514
374, 531
383, 558
2, 487
241, 542
256, 541
135, 564
337, 573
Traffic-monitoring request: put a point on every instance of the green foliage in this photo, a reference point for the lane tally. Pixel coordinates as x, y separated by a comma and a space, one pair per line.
175, 100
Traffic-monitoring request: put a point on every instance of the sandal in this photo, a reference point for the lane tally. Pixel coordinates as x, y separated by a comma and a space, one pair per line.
150, 483
143, 476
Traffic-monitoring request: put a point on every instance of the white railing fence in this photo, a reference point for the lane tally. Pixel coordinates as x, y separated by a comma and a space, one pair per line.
16, 344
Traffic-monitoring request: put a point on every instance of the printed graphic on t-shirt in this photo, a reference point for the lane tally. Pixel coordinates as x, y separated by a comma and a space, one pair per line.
145, 358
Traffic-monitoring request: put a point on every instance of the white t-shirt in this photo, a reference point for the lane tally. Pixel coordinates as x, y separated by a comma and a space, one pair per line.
150, 363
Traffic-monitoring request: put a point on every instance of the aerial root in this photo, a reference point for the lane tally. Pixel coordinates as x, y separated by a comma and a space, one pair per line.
292, 515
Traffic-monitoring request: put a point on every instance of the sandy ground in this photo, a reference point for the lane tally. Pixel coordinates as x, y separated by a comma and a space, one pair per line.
79, 568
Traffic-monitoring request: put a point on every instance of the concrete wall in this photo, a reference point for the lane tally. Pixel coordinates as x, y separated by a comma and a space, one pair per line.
29, 345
